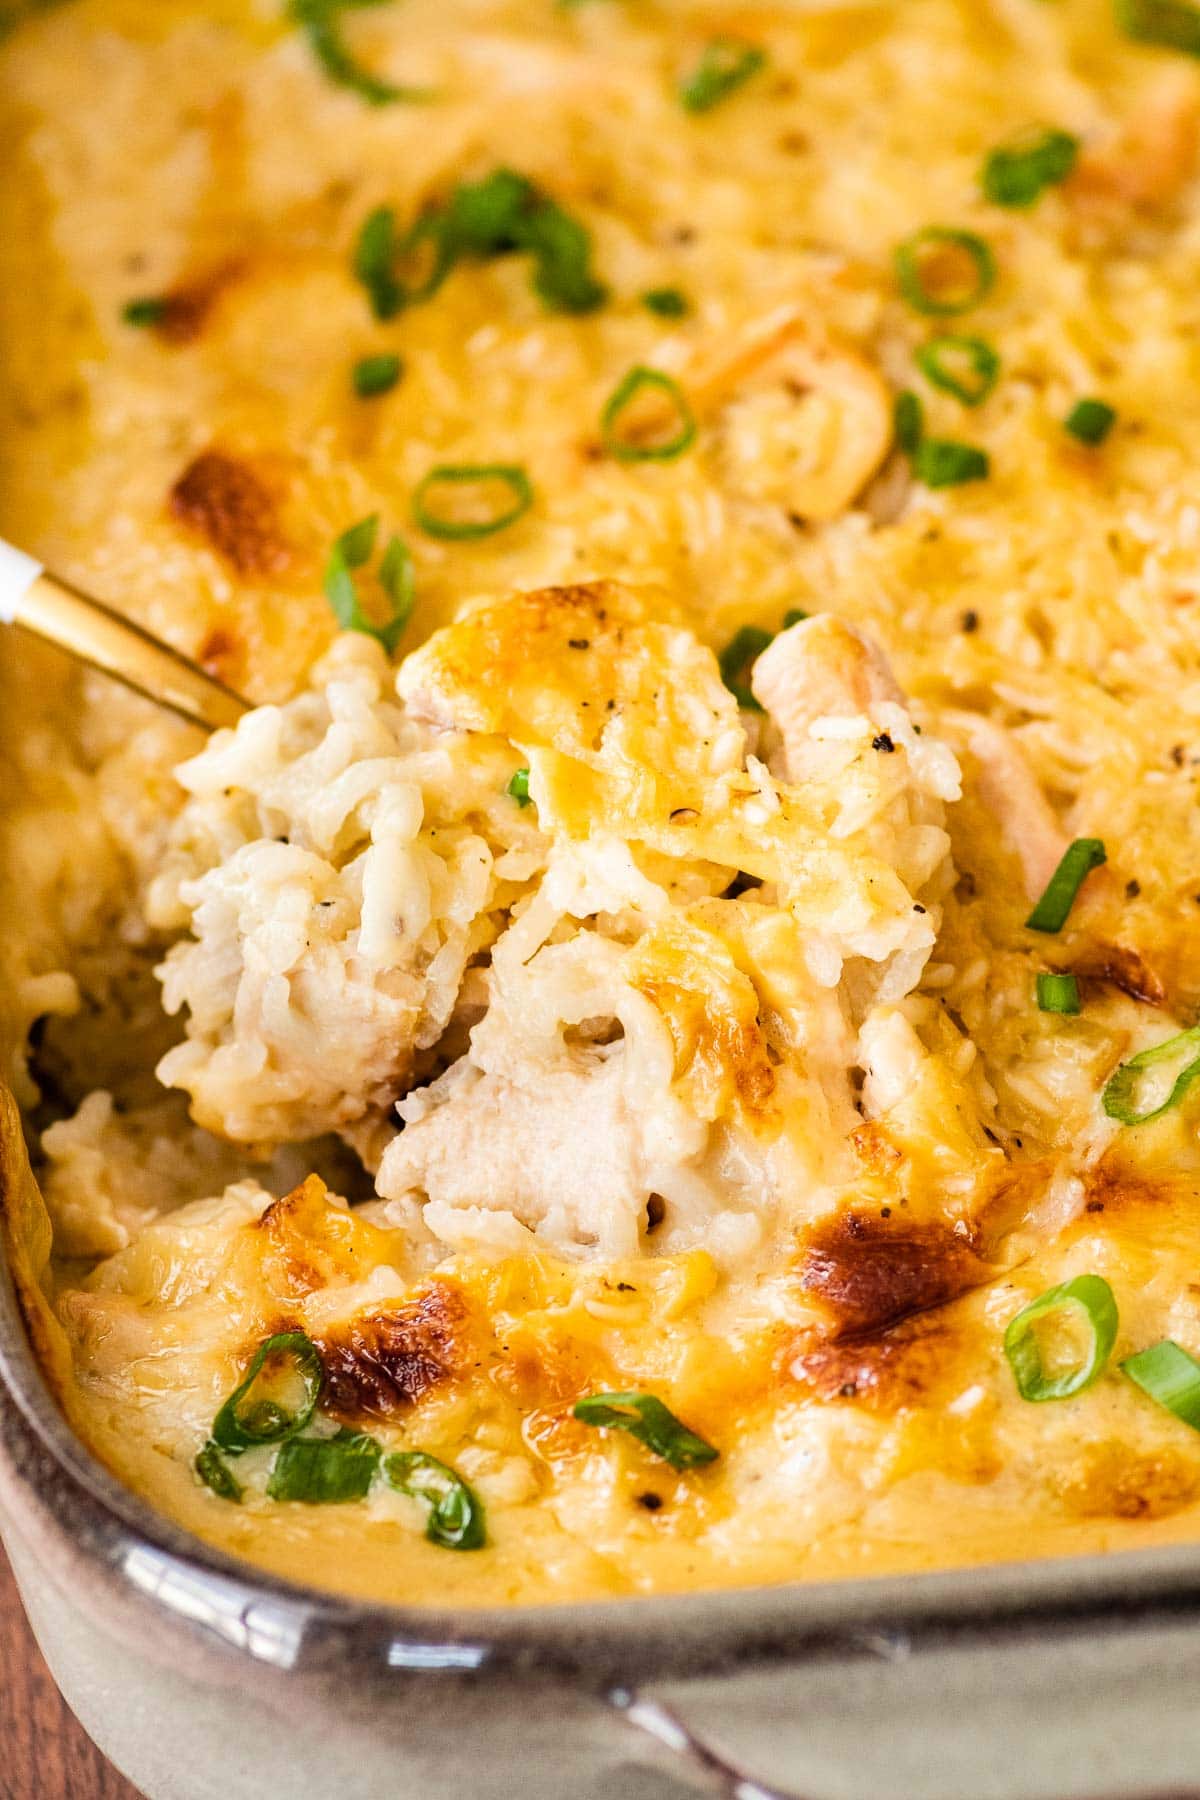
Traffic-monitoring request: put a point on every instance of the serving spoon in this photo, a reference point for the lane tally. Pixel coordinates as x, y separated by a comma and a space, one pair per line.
93, 633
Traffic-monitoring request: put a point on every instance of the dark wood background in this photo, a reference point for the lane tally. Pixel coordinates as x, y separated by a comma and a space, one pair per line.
45, 1754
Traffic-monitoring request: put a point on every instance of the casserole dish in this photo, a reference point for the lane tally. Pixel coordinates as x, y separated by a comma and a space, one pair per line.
667, 1028
204, 1679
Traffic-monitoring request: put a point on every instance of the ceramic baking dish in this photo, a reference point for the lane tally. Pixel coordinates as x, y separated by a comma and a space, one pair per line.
205, 1680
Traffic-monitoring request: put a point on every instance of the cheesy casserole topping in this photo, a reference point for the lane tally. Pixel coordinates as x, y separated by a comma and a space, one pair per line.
661, 1052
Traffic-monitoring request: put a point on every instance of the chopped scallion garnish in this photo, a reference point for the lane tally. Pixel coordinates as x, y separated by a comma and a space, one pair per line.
374, 253
1169, 1375
726, 64
216, 1474
150, 311
1173, 24
940, 462
504, 212
1057, 993
738, 657
325, 1471
944, 271
395, 576
374, 375
645, 1418
966, 367
1054, 907
1090, 421
518, 787
455, 1517
277, 1397
908, 422
1087, 1304
478, 477
615, 427
320, 22
1121, 1094
1017, 173
667, 302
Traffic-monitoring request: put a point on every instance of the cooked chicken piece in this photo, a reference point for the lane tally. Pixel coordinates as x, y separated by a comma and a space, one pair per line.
804, 421
1010, 790
1146, 165
820, 668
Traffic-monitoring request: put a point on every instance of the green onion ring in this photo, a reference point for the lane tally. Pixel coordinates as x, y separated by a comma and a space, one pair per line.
1057, 993
455, 1517
973, 385
1118, 1095
908, 258
1091, 1299
244, 1421
325, 1471
466, 475
1169, 1375
626, 390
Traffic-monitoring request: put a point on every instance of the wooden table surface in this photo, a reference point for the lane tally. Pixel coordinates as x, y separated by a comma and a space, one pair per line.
46, 1754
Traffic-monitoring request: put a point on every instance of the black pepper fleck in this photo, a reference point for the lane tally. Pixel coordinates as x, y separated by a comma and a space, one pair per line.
883, 742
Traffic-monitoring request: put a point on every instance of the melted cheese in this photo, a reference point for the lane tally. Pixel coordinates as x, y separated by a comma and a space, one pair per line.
775, 984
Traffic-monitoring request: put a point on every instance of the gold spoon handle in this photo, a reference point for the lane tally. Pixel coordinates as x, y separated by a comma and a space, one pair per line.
103, 639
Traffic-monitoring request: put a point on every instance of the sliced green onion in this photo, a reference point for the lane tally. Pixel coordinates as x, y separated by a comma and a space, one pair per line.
518, 787
277, 1397
793, 616
908, 422
150, 311
215, 1473
1017, 173
1057, 994
1090, 421
1120, 1096
562, 250
1053, 909
374, 375
736, 659
667, 302
1173, 24
471, 475
645, 1418
1169, 1375
319, 20
395, 576
325, 1471
940, 462
966, 367
726, 63
624, 448
374, 253
456, 1518
1088, 1301
481, 219
916, 260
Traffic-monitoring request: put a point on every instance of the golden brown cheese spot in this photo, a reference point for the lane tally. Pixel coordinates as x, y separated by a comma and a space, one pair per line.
305, 1243
380, 1362
870, 1272
1126, 969
711, 1010
225, 500
893, 1369
487, 672
220, 653
1111, 1480
187, 307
